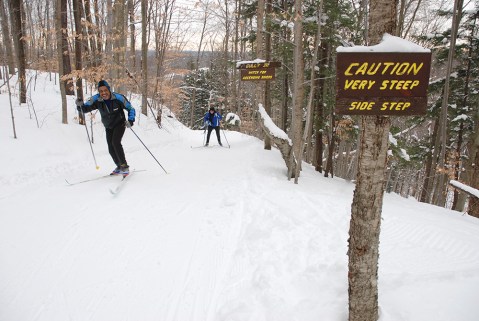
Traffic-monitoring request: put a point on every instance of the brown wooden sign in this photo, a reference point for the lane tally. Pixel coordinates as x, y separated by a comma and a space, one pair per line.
257, 74
380, 83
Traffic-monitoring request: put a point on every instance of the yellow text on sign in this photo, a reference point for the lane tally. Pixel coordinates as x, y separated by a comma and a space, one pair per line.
359, 84
383, 68
368, 105
399, 84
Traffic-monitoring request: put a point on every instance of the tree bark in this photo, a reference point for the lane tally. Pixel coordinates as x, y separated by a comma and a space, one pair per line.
366, 218
120, 36
77, 14
366, 209
18, 36
131, 14
60, 5
91, 34
441, 185
144, 57
7, 39
298, 89
309, 114
267, 56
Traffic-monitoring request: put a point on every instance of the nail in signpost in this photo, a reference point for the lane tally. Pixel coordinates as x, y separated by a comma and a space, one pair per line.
382, 83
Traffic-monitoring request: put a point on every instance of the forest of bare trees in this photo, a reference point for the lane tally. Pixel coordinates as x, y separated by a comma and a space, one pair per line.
183, 55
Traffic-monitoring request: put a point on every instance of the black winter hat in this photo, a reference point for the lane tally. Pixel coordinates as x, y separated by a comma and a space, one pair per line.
212, 108
104, 83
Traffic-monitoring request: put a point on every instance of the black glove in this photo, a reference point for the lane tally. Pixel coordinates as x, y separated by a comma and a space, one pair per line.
79, 104
129, 123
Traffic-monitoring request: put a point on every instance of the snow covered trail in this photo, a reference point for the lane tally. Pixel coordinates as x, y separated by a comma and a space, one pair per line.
224, 236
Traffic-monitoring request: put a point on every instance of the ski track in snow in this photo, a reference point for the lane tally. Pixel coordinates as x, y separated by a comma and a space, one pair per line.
224, 236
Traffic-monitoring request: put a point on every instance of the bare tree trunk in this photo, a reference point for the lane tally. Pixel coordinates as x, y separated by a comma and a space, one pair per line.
298, 91
11, 105
460, 199
267, 55
309, 114
319, 123
120, 36
285, 90
109, 36
60, 19
131, 13
458, 162
77, 14
91, 34
203, 31
473, 168
234, 87
18, 35
144, 57
7, 40
429, 168
99, 44
65, 50
443, 132
366, 209
48, 41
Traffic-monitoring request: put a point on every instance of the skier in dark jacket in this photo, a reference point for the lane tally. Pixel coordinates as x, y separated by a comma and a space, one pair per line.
111, 106
212, 120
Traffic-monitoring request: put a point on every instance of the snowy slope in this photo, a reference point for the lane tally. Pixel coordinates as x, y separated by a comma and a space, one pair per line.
222, 236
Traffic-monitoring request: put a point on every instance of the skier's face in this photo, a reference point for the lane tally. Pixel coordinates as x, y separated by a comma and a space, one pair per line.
104, 92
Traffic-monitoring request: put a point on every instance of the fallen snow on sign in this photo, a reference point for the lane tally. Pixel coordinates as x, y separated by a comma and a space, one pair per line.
389, 43
256, 61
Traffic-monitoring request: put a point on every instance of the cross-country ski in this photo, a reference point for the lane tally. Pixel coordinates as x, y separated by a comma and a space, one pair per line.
116, 189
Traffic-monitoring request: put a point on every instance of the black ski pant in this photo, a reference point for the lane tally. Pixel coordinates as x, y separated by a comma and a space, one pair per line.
210, 129
113, 139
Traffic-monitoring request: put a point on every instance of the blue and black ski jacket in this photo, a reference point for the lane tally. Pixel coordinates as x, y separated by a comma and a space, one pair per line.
212, 120
111, 111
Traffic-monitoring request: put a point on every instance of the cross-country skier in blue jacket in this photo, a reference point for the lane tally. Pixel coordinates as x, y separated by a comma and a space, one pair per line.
212, 120
111, 106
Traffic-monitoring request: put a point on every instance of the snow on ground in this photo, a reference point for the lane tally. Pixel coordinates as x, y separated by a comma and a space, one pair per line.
223, 236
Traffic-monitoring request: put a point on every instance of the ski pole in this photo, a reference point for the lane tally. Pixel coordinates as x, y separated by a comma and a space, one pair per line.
146, 148
204, 135
89, 141
229, 146
91, 147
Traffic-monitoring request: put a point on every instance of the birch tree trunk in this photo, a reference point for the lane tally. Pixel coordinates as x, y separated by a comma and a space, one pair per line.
366, 209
